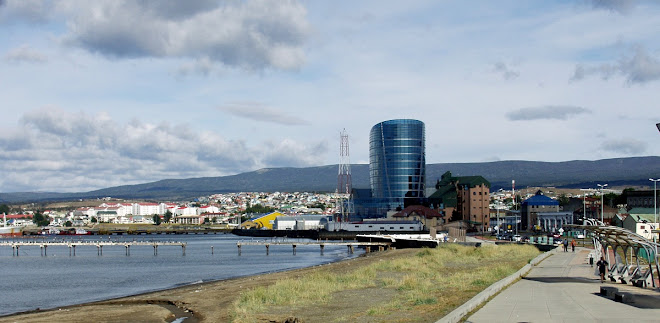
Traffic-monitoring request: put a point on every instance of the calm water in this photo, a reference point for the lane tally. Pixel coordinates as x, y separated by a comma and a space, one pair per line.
31, 281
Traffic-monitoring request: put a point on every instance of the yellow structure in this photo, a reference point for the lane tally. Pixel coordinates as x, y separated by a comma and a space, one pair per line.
265, 221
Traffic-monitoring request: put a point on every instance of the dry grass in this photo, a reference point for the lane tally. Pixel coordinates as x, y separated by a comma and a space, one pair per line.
423, 287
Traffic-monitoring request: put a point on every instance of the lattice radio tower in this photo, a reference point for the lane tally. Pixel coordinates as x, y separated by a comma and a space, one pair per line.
344, 185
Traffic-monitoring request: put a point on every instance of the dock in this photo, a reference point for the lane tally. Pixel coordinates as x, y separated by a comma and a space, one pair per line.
43, 245
350, 245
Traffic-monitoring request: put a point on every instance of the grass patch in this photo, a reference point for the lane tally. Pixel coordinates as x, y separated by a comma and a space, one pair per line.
425, 286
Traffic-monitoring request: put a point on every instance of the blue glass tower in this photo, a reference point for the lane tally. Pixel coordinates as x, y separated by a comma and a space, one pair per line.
397, 162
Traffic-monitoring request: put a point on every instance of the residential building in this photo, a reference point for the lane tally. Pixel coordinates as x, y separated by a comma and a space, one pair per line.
465, 198
429, 217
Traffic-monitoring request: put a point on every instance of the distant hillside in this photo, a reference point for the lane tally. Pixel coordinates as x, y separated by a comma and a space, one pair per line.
575, 174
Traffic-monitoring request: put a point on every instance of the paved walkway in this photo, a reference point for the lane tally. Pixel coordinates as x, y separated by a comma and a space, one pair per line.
564, 288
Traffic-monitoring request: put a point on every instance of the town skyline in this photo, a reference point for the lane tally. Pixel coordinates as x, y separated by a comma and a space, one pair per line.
108, 93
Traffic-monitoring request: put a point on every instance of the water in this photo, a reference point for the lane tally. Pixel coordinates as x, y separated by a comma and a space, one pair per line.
30, 280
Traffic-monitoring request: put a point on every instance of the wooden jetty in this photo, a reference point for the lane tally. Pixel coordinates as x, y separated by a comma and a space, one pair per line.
350, 245
43, 245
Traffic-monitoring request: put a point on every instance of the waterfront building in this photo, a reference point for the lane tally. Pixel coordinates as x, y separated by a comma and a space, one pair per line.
531, 207
299, 222
397, 163
264, 221
553, 221
641, 220
430, 217
463, 198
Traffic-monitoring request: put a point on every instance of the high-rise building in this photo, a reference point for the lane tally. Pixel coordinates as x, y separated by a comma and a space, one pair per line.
397, 163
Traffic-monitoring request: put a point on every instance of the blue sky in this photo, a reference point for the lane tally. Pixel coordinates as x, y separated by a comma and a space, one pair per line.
112, 92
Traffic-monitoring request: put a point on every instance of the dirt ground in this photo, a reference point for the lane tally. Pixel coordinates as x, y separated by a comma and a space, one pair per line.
211, 302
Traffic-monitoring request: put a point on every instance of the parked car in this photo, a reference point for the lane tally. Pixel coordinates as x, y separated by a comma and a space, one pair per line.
525, 239
580, 236
516, 237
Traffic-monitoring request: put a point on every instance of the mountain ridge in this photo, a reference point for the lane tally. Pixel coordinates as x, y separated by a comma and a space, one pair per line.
633, 171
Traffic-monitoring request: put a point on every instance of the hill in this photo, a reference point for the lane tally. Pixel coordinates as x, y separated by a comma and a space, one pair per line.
633, 171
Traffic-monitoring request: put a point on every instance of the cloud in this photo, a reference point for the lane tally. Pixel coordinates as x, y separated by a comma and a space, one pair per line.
253, 34
624, 146
546, 112
637, 69
620, 6
31, 11
25, 54
506, 71
259, 112
55, 150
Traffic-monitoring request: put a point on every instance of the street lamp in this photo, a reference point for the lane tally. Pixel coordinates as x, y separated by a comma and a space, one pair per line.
655, 199
601, 201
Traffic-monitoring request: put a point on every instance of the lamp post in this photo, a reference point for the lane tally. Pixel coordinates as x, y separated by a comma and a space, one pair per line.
655, 199
601, 201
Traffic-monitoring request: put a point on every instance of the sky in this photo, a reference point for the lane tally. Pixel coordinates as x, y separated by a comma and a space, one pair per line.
103, 93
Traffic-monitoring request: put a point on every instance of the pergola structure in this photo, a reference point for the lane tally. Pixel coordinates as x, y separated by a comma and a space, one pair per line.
605, 237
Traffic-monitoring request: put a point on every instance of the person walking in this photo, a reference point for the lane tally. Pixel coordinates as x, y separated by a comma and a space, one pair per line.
602, 267
565, 245
573, 243
591, 259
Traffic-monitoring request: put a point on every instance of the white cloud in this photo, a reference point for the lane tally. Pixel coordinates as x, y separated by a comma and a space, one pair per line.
506, 71
620, 6
259, 112
55, 149
639, 68
25, 54
624, 146
546, 112
254, 34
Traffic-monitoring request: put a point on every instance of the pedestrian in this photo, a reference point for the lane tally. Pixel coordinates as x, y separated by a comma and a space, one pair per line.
602, 267
591, 259
573, 243
565, 245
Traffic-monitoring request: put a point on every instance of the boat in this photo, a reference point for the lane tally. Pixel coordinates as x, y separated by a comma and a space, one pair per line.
10, 231
49, 231
404, 240
74, 232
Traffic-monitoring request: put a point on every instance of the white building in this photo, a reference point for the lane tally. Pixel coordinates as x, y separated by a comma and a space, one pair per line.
207, 209
300, 222
185, 210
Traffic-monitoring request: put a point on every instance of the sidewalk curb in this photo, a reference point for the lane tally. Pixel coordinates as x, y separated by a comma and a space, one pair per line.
457, 314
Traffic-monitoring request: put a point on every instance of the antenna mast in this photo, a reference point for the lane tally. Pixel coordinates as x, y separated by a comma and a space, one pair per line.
344, 185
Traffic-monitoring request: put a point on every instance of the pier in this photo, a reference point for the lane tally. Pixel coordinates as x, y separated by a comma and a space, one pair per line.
350, 245
43, 245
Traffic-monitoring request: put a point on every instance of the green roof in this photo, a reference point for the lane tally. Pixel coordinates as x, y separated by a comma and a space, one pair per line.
642, 210
446, 195
643, 217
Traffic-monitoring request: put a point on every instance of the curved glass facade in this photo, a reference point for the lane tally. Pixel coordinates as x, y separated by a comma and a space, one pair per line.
397, 162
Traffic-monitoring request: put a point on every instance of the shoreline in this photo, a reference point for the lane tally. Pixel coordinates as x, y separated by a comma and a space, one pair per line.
178, 297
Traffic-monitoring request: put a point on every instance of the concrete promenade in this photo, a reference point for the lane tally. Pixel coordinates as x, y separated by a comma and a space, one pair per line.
565, 288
